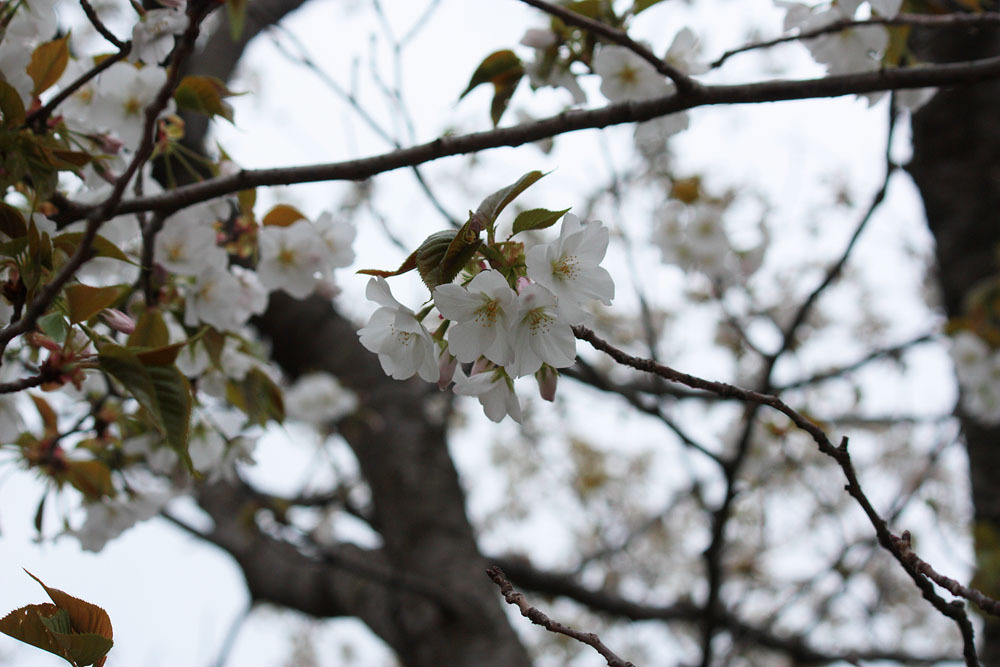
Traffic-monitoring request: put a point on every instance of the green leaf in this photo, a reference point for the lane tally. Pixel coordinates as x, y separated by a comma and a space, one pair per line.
205, 95
48, 62
504, 70
258, 397
165, 355
84, 301
101, 247
408, 264
54, 326
536, 218
443, 254
161, 390
150, 330
499, 65
491, 207
237, 11
11, 105
642, 5
12, 221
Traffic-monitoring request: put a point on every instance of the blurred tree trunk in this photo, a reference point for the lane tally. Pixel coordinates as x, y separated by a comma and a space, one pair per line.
424, 591
956, 165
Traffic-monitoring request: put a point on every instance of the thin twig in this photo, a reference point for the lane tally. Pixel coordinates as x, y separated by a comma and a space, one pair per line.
923, 20
981, 600
538, 618
99, 26
683, 82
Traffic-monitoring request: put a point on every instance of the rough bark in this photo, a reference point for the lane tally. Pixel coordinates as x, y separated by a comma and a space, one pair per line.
425, 591
956, 165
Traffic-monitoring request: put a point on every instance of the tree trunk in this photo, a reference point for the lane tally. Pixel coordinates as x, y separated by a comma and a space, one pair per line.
956, 165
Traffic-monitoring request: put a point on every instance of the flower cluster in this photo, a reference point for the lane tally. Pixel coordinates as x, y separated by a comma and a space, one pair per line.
502, 322
977, 366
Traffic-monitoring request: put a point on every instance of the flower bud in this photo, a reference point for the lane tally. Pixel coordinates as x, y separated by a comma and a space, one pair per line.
446, 365
522, 283
118, 320
547, 378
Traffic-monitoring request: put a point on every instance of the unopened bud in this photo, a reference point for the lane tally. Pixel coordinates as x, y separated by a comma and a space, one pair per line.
118, 320
547, 378
522, 283
109, 144
447, 365
481, 366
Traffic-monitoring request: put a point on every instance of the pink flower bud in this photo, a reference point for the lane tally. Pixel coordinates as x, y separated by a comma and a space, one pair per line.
547, 378
109, 144
118, 320
522, 283
447, 365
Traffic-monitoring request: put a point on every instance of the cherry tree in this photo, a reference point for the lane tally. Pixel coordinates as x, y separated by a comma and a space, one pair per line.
164, 307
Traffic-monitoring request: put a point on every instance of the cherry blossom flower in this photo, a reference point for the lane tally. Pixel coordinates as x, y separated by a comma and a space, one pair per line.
682, 52
214, 300
540, 336
318, 399
569, 267
186, 244
153, 35
482, 315
626, 76
124, 92
291, 258
339, 238
403, 345
495, 391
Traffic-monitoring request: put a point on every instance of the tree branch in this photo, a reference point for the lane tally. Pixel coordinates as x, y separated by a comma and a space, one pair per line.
538, 618
569, 121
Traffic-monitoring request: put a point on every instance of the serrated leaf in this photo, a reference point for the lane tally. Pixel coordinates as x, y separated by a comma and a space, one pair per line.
498, 66
48, 62
162, 391
205, 95
408, 264
85, 616
150, 330
25, 624
84, 301
282, 215
536, 218
101, 247
11, 105
54, 326
258, 397
12, 221
493, 205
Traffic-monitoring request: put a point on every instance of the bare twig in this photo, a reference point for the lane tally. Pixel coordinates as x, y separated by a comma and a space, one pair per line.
981, 600
923, 20
538, 618
99, 26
